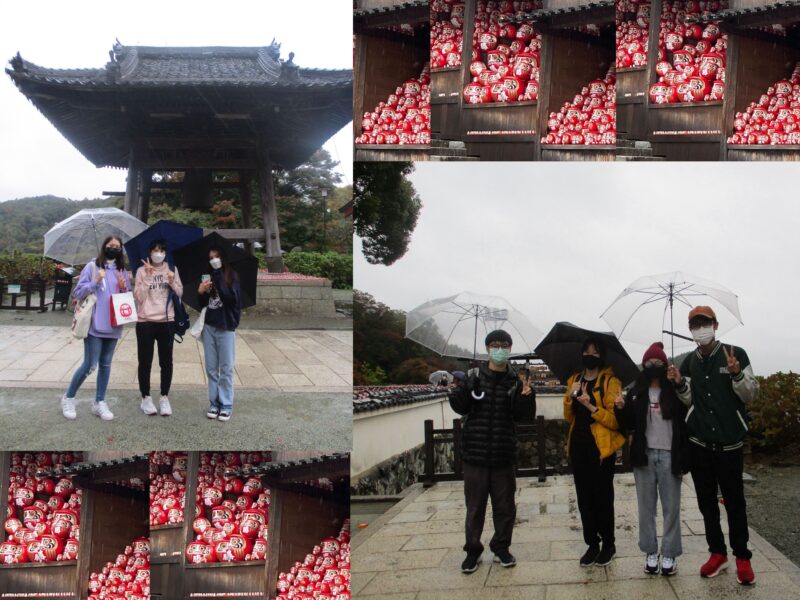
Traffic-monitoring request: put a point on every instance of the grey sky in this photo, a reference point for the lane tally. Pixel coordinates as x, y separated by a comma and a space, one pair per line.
560, 241
36, 160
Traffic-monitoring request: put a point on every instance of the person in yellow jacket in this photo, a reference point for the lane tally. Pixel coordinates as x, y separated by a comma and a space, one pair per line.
592, 444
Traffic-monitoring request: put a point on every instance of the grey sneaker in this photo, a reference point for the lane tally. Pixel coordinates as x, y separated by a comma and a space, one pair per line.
164, 405
101, 410
224, 414
212, 412
68, 407
669, 566
651, 564
148, 407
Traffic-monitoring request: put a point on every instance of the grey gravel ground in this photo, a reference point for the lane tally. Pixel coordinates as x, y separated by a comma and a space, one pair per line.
261, 419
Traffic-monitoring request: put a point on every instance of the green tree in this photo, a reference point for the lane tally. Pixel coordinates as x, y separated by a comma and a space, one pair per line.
386, 209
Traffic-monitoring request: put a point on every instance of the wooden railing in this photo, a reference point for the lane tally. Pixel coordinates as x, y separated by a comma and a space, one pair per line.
534, 431
27, 289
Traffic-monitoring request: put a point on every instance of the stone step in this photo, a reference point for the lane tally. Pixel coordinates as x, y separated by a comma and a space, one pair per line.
638, 158
448, 151
634, 151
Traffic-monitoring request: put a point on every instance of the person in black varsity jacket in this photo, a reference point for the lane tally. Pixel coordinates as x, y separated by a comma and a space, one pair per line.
492, 399
716, 382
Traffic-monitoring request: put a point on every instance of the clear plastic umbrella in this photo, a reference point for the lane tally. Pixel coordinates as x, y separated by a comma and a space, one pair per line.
76, 240
457, 325
437, 377
652, 305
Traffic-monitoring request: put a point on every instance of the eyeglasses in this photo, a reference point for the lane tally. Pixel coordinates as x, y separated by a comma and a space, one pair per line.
496, 346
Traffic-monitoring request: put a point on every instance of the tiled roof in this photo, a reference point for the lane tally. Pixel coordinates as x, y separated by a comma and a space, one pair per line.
145, 66
397, 6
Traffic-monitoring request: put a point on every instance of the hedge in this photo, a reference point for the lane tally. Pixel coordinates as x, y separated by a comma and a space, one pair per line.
332, 265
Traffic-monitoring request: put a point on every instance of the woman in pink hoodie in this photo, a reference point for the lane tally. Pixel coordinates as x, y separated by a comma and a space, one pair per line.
154, 281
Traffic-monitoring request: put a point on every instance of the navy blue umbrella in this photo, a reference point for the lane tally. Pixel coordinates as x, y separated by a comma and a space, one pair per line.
176, 235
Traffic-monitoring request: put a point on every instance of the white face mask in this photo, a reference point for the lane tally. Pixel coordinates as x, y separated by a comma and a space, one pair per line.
215, 263
703, 335
158, 257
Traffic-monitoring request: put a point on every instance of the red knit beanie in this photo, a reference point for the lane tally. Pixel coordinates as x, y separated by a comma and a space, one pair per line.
656, 350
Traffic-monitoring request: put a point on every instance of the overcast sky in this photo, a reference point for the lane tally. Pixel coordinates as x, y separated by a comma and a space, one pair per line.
35, 159
559, 241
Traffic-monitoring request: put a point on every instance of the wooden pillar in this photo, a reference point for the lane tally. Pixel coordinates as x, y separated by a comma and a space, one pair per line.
132, 188
144, 205
269, 211
245, 177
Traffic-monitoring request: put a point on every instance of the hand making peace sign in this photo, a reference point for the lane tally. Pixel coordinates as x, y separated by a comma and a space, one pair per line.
734, 368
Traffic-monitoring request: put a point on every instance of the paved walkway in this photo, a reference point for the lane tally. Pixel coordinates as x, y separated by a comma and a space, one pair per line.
413, 552
289, 360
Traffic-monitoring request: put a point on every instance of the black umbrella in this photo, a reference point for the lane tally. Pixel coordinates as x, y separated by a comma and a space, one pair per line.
561, 351
192, 263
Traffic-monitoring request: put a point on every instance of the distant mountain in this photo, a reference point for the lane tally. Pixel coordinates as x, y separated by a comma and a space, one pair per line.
23, 222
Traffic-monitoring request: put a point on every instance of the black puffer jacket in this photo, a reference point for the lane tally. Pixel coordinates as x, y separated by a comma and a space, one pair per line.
633, 419
489, 433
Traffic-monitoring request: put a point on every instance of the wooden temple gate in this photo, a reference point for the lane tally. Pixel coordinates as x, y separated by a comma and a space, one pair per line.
196, 110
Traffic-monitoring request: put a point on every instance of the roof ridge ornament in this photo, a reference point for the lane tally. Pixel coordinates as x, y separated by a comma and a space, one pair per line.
112, 66
289, 70
18, 64
274, 50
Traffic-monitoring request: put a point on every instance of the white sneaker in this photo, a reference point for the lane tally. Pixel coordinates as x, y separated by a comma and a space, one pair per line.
68, 407
166, 409
148, 407
101, 410
651, 564
669, 566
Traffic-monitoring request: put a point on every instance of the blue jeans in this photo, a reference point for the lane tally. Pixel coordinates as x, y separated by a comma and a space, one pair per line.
96, 352
219, 346
654, 480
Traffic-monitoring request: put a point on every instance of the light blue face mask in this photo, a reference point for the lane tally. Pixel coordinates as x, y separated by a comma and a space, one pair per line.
499, 356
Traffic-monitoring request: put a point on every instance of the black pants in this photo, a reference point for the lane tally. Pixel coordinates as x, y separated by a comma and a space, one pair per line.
146, 334
594, 485
481, 483
724, 469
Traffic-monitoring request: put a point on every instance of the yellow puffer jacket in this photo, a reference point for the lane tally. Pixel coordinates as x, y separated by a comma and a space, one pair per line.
605, 428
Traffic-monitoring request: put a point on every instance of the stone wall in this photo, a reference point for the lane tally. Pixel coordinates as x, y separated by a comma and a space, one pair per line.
305, 297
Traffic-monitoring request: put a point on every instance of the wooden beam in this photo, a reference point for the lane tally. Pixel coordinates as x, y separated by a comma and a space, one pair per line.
132, 188
246, 200
147, 184
269, 212
416, 14
181, 164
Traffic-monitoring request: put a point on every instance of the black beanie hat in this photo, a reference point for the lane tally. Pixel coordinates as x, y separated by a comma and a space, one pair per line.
498, 335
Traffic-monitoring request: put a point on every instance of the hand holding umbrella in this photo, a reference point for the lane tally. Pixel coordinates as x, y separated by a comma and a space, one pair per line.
674, 375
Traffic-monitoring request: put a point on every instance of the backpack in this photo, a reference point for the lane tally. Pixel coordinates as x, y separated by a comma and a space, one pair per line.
181, 323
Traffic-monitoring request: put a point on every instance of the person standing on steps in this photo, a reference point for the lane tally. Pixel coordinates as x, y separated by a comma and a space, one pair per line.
592, 445
491, 401
717, 382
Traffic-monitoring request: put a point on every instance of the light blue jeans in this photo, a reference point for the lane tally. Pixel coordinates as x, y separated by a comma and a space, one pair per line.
219, 346
654, 480
96, 352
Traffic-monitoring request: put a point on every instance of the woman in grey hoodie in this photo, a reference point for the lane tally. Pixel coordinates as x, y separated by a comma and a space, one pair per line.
104, 276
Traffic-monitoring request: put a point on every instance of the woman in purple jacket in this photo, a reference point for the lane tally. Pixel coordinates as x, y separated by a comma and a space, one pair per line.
105, 276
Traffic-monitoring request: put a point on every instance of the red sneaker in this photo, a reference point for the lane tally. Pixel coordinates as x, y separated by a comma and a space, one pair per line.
744, 572
714, 564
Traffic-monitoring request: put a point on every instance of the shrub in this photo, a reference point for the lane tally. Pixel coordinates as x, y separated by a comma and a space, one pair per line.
336, 267
17, 266
775, 413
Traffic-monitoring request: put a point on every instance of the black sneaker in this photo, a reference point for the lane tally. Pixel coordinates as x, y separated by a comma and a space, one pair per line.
505, 558
590, 556
606, 554
470, 564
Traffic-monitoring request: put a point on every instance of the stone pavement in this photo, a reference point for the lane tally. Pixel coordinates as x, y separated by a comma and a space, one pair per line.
274, 360
413, 552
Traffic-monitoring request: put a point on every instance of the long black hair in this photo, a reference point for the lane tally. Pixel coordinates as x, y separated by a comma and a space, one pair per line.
667, 399
101, 259
227, 271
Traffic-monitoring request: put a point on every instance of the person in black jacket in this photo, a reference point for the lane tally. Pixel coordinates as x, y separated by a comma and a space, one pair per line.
659, 456
220, 294
491, 400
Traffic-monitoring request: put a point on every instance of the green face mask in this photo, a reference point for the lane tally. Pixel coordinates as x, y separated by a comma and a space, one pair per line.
499, 356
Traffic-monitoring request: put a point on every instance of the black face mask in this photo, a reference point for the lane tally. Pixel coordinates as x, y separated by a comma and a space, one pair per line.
112, 253
590, 361
655, 372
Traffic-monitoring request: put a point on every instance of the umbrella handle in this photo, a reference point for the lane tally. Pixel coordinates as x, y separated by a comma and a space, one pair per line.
478, 397
678, 335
